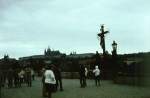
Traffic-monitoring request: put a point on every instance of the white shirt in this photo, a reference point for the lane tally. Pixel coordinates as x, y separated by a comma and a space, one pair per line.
32, 72
86, 72
49, 77
21, 74
96, 71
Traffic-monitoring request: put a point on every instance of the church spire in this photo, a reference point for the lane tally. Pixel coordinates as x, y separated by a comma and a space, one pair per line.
48, 50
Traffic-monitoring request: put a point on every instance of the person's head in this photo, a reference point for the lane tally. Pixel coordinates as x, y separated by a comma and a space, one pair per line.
82, 66
48, 67
43, 69
96, 67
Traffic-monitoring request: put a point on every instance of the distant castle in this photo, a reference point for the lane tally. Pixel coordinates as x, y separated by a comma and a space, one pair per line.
49, 52
6, 56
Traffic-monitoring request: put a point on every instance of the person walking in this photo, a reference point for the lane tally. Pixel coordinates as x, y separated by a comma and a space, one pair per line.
28, 76
10, 77
96, 71
32, 74
16, 78
21, 75
86, 75
44, 94
57, 73
82, 76
49, 80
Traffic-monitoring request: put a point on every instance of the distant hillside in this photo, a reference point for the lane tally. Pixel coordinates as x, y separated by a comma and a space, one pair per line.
140, 54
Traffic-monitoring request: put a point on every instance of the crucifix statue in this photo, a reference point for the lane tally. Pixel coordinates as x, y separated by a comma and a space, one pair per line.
102, 38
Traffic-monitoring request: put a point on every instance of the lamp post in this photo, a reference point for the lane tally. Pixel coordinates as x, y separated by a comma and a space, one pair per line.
114, 46
114, 60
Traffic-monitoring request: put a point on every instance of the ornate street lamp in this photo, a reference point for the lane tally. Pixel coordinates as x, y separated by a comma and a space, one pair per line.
114, 46
114, 60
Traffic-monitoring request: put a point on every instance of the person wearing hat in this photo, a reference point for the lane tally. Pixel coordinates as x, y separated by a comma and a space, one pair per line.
49, 80
96, 72
57, 72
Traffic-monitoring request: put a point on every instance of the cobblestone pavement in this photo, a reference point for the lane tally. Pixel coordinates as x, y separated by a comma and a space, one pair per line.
72, 90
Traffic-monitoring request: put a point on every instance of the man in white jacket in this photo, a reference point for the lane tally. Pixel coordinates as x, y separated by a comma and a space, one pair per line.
49, 80
96, 71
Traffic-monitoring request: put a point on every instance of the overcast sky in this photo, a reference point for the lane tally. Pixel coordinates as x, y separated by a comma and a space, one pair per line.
27, 27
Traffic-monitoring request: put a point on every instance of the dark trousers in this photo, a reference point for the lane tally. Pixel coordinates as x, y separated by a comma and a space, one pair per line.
29, 82
49, 89
59, 84
16, 81
82, 81
44, 93
33, 77
97, 80
10, 82
21, 80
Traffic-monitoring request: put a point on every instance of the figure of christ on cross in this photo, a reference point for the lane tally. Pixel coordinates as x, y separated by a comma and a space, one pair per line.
102, 38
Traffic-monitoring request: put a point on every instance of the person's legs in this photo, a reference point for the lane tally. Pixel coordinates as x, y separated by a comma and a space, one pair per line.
51, 89
57, 84
49, 94
15, 82
81, 84
44, 90
21, 81
8, 83
98, 80
11, 82
30, 83
60, 84
33, 77
84, 82
48, 89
